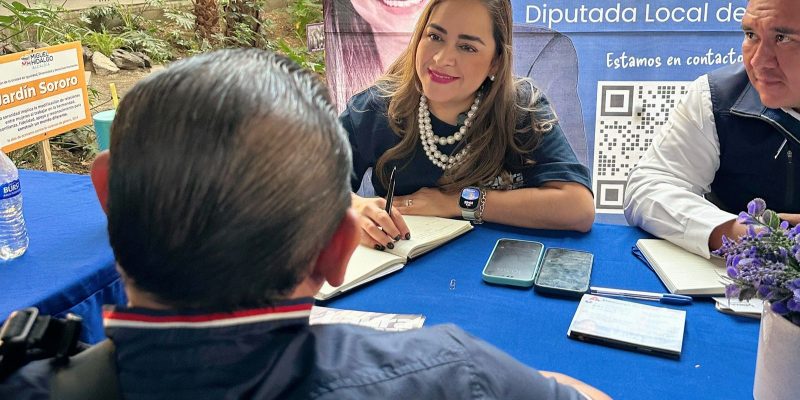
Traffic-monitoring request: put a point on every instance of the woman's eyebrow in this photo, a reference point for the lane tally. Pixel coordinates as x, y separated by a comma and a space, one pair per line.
463, 36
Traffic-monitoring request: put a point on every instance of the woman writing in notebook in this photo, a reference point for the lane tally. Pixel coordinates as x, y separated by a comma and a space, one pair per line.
468, 139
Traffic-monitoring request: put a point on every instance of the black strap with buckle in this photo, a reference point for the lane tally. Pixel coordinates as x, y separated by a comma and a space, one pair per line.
27, 336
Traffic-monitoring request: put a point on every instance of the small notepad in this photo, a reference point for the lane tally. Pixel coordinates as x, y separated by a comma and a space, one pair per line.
629, 325
683, 272
747, 308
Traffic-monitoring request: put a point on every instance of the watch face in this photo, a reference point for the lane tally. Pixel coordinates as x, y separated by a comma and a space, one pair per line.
469, 198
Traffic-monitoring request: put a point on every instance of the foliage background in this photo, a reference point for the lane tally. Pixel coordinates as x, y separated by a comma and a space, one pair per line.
163, 31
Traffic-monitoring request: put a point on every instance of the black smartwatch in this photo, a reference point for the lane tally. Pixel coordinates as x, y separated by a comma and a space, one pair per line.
472, 202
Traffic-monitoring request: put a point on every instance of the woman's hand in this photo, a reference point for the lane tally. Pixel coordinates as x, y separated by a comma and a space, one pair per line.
378, 229
429, 201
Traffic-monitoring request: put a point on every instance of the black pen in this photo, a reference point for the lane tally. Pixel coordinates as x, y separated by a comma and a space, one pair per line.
390, 192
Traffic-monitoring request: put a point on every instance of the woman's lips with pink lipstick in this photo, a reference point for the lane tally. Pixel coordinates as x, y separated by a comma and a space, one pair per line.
439, 77
401, 3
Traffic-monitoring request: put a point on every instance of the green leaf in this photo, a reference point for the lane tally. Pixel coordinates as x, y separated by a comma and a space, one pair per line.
771, 219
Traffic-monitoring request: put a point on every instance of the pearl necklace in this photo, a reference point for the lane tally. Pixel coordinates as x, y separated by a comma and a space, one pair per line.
430, 141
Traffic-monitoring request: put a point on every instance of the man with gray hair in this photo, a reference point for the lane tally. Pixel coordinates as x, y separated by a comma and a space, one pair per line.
733, 138
228, 200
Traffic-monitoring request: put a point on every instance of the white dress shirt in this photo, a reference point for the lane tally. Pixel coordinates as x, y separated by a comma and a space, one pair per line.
665, 190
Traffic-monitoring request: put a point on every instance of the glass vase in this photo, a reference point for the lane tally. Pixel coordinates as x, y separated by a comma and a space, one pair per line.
778, 358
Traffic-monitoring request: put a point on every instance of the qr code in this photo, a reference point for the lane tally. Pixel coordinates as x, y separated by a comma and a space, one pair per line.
628, 115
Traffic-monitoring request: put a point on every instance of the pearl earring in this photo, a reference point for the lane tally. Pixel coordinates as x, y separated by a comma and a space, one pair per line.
491, 78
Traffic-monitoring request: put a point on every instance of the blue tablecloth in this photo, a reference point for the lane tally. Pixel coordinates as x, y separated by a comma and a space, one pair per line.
69, 266
719, 350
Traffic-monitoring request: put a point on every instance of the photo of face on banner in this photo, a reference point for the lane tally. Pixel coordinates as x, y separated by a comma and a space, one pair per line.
363, 38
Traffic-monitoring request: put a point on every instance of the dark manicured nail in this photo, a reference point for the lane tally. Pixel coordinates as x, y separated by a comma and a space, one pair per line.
396, 238
390, 245
378, 247
408, 236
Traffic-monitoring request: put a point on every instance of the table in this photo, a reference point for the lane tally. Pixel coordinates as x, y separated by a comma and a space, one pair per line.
69, 265
69, 268
719, 350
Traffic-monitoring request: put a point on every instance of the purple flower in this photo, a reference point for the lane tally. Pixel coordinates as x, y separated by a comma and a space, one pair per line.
793, 305
732, 290
756, 207
733, 261
765, 262
744, 262
745, 219
780, 307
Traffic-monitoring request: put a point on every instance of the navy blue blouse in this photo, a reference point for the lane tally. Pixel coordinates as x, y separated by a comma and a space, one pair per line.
367, 124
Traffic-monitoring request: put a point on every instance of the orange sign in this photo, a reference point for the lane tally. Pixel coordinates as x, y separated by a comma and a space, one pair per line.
42, 94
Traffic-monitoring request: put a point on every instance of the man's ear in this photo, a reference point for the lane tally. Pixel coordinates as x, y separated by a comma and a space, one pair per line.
332, 261
99, 176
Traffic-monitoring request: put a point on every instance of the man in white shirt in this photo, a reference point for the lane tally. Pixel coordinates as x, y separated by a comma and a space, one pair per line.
735, 136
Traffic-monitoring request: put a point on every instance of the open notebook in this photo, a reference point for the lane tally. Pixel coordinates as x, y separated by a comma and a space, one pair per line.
684, 272
427, 233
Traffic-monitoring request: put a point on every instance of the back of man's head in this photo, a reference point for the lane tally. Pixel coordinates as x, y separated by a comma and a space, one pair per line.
229, 173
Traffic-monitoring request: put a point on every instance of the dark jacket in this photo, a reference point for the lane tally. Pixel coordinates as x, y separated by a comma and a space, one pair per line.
754, 160
274, 354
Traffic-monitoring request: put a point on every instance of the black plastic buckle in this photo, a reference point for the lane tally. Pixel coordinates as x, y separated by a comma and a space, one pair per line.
67, 344
17, 328
28, 336
15, 336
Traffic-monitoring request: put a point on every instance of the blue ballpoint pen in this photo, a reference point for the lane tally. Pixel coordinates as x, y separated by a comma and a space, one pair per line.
665, 298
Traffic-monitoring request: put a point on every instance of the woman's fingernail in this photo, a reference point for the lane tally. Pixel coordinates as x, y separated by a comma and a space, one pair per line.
390, 245
396, 238
378, 247
408, 236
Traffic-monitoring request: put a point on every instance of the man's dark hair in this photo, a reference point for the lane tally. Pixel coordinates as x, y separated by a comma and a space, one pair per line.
229, 173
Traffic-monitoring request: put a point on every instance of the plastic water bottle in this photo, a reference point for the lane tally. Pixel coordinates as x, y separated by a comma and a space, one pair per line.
13, 235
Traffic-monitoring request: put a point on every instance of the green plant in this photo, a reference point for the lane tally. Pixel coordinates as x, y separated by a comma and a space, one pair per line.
182, 18
39, 23
147, 42
25, 156
243, 28
80, 141
304, 12
117, 17
103, 42
312, 61
242, 34
98, 18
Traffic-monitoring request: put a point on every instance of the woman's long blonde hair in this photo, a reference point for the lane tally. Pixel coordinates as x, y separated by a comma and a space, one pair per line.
495, 140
